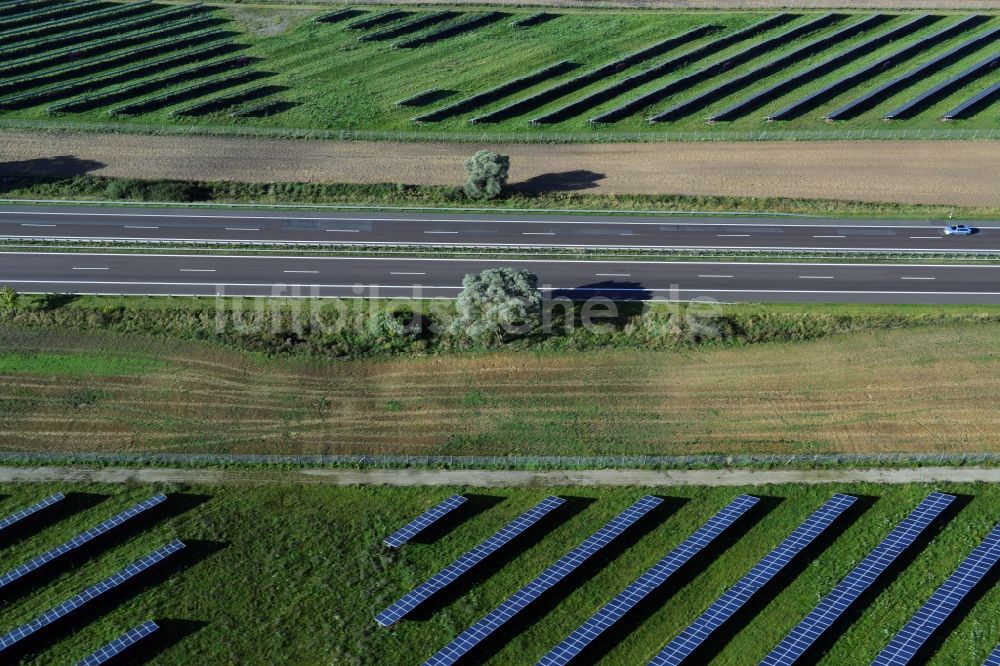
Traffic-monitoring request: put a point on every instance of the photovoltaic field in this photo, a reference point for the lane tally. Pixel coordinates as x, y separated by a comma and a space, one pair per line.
470, 69
274, 572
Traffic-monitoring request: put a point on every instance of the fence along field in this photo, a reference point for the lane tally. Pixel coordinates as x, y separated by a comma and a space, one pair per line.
353, 68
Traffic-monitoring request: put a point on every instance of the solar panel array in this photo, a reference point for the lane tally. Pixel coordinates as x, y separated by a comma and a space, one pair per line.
120, 644
994, 658
944, 88
446, 576
34, 508
973, 102
79, 540
904, 646
655, 576
472, 636
762, 573
91, 593
423, 521
802, 637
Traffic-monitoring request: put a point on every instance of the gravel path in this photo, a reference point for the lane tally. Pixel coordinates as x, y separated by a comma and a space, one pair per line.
944, 172
501, 478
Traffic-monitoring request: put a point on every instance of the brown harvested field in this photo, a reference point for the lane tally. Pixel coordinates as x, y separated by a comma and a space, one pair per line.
960, 173
905, 390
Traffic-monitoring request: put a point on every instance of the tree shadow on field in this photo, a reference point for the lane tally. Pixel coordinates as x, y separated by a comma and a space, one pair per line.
563, 181
552, 597
60, 166
851, 615
615, 290
497, 560
472, 507
49, 302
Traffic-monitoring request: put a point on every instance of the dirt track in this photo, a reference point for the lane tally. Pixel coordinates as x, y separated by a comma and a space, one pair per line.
500, 478
944, 172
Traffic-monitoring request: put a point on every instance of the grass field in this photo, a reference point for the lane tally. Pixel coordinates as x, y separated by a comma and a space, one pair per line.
290, 72
911, 390
294, 574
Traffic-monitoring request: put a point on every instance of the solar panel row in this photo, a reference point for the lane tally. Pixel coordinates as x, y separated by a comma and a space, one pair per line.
904, 646
994, 658
832, 606
423, 521
34, 508
120, 644
446, 576
79, 540
91, 593
472, 636
654, 577
973, 103
762, 573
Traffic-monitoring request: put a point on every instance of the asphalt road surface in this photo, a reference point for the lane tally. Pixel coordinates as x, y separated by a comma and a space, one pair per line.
441, 278
497, 229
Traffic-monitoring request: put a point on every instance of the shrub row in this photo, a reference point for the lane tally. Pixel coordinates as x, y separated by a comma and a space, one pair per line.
379, 19
227, 101
106, 46
78, 86
74, 23
533, 19
499, 92
189, 92
822, 68
769, 67
471, 23
583, 80
718, 67
107, 30
9, 18
338, 15
419, 23
149, 85
104, 63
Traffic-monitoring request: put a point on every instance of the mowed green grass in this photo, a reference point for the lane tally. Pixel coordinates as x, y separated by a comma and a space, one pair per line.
334, 82
923, 389
76, 365
284, 573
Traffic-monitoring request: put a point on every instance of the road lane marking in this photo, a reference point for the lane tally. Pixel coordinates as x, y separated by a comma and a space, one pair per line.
815, 277
300, 271
25, 224
715, 276
346, 231
613, 274
197, 270
538, 233
732, 235
404, 273
829, 236
136, 226
925, 237
90, 268
907, 277
242, 228
440, 232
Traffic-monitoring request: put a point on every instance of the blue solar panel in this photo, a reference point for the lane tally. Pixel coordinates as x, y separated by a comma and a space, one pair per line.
472, 636
117, 646
34, 508
79, 540
655, 576
423, 521
994, 658
762, 573
904, 646
446, 576
91, 593
795, 644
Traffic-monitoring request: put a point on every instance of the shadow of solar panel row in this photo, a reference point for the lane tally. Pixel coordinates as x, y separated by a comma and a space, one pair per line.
79, 540
847, 591
994, 658
91, 593
423, 521
120, 644
809, 74
654, 577
974, 104
904, 646
718, 67
760, 575
873, 69
883, 91
18, 516
795, 57
446, 576
472, 636
941, 90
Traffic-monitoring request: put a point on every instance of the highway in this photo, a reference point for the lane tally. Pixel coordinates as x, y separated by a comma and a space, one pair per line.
159, 274
500, 229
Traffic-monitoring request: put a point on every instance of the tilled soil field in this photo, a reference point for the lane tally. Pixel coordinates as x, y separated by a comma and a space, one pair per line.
961, 173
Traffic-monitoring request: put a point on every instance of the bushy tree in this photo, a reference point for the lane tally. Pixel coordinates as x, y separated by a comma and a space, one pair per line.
8, 300
487, 175
497, 305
